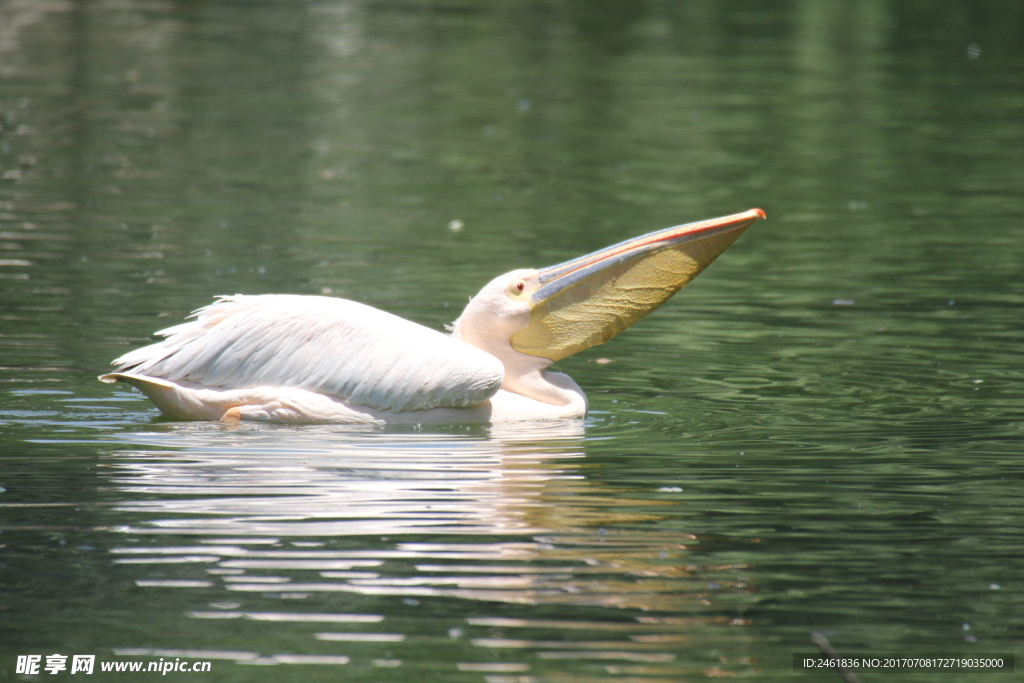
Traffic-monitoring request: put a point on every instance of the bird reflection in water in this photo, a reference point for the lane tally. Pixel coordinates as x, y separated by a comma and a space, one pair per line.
502, 517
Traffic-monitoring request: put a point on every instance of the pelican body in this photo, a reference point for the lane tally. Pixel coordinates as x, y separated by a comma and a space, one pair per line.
314, 359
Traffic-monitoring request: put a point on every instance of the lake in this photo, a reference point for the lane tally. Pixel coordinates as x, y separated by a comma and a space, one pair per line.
821, 435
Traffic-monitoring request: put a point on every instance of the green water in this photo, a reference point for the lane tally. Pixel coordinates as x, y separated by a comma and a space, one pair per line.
822, 433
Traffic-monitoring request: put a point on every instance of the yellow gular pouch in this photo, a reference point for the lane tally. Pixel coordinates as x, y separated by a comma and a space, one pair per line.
607, 302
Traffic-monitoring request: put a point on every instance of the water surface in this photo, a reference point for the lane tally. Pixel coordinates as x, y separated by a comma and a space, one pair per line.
822, 433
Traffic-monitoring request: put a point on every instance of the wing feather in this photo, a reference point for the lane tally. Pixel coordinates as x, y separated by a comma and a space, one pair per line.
333, 346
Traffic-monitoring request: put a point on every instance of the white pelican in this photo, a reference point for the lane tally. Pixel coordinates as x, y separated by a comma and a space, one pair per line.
314, 359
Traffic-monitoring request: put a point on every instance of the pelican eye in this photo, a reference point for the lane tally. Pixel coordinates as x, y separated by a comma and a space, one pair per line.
517, 289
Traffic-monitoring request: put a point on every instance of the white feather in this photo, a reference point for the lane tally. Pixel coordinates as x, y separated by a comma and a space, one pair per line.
333, 346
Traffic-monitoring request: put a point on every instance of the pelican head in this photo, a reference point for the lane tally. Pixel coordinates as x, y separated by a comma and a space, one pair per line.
530, 318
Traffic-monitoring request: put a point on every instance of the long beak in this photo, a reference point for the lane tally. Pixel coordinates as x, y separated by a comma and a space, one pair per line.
588, 300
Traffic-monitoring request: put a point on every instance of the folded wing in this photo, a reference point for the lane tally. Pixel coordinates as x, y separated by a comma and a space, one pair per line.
333, 346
